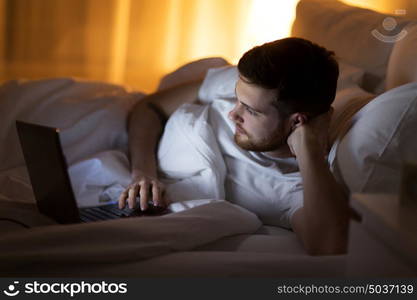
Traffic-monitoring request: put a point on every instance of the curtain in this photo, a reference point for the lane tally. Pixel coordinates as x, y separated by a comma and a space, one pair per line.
2, 39
387, 6
132, 42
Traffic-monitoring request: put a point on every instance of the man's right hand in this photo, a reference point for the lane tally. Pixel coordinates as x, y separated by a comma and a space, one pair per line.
147, 188
145, 129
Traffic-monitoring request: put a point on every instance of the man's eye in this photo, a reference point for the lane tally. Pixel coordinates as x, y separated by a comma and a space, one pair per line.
251, 111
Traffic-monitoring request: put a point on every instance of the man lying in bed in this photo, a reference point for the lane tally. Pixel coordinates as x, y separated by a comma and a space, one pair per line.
281, 117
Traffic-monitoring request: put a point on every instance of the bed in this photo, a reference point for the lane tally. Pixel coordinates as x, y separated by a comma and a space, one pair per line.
372, 135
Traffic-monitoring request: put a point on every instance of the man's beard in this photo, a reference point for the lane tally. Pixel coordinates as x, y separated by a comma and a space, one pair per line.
277, 140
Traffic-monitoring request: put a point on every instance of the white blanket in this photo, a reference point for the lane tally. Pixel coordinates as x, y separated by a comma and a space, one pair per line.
49, 249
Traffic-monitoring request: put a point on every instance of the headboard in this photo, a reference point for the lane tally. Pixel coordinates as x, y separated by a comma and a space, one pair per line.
354, 34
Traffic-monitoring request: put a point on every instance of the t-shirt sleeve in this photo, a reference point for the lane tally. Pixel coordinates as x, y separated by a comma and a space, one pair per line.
219, 83
296, 201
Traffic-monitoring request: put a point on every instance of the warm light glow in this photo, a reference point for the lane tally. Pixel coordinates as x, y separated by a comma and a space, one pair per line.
132, 42
256, 22
268, 20
209, 30
172, 36
120, 38
383, 6
2, 40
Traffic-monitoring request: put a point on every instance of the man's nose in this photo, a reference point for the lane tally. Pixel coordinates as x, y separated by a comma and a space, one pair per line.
234, 114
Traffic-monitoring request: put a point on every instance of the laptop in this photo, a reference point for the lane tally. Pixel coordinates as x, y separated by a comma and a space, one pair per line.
51, 183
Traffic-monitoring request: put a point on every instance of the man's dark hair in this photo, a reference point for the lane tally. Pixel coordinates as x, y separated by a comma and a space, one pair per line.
303, 73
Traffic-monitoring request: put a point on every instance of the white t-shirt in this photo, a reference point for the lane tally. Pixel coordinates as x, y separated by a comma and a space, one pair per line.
269, 187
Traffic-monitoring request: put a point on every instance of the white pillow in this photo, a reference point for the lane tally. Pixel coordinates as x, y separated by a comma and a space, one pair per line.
370, 156
191, 71
219, 83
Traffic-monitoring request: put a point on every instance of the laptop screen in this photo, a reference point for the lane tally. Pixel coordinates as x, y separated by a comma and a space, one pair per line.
48, 173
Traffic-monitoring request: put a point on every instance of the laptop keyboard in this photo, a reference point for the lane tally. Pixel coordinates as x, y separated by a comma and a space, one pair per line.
112, 211
106, 212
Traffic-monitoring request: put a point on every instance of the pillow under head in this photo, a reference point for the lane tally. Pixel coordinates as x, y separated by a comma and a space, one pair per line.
370, 156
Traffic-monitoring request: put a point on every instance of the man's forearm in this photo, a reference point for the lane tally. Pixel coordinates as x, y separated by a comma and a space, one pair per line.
145, 129
145, 124
326, 210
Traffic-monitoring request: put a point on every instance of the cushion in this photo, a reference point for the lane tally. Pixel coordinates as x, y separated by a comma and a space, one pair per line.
347, 31
219, 83
402, 65
192, 71
369, 158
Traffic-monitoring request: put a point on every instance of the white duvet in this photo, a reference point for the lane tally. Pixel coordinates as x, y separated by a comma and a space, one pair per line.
50, 249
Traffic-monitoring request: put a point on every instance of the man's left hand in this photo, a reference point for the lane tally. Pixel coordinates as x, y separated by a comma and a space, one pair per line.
312, 135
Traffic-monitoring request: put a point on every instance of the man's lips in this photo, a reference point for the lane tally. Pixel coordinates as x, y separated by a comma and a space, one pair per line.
240, 130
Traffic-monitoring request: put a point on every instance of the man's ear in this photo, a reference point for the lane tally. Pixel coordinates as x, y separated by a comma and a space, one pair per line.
297, 119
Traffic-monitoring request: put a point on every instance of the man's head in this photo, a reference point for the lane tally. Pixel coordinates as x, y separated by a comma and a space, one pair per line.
279, 84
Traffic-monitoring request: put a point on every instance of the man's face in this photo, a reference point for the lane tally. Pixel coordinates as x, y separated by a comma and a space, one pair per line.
258, 124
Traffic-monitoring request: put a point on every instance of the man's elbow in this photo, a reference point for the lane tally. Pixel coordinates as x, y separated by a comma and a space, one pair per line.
321, 238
